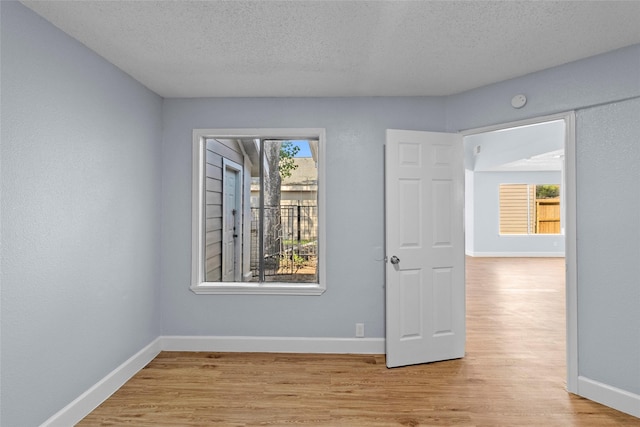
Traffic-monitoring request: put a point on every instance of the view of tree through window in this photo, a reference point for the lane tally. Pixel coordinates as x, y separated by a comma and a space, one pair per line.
530, 209
257, 217
284, 211
269, 234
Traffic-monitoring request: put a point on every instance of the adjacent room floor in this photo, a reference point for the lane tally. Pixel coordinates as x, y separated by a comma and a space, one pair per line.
513, 373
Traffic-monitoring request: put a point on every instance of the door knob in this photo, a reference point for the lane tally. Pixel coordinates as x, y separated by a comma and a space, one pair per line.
395, 260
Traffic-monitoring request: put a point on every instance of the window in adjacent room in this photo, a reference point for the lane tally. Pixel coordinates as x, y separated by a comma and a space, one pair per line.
530, 209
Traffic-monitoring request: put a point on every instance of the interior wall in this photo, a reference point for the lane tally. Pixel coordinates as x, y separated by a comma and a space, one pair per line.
609, 243
80, 217
604, 91
355, 135
491, 151
487, 240
83, 211
601, 79
469, 212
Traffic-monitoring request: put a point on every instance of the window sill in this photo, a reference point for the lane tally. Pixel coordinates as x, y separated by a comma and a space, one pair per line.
211, 288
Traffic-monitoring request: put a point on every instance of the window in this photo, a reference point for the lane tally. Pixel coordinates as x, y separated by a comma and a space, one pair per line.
258, 211
530, 209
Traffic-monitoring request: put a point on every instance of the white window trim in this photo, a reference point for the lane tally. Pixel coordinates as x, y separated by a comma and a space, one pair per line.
198, 283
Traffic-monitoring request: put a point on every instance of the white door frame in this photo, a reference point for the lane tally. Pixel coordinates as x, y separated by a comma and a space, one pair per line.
570, 231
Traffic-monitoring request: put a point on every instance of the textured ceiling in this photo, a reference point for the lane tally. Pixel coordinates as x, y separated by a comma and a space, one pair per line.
339, 48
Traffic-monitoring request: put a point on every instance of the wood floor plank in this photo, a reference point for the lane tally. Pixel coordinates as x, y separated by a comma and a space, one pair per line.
513, 373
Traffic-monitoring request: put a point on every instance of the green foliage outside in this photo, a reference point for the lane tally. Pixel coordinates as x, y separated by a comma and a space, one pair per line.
547, 191
294, 261
298, 262
287, 163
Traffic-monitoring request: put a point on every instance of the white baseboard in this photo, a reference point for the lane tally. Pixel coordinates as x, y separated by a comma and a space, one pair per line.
94, 396
75, 411
274, 344
98, 393
613, 397
516, 254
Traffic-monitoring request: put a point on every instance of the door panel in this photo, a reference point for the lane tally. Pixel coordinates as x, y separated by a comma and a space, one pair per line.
425, 309
411, 300
231, 225
228, 241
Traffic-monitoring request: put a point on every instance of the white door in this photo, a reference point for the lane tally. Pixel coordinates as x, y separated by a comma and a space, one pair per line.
424, 202
231, 228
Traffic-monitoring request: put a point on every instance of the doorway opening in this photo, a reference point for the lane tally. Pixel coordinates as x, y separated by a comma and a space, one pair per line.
533, 152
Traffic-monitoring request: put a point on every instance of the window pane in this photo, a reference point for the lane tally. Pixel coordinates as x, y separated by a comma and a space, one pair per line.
515, 206
547, 209
256, 221
529, 209
213, 211
278, 228
290, 197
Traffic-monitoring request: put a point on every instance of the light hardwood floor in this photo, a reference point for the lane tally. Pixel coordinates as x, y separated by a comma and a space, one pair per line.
513, 373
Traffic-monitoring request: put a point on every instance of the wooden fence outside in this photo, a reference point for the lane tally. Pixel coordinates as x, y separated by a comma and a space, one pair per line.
548, 216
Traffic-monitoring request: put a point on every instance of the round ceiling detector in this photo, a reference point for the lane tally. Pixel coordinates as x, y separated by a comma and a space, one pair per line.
518, 101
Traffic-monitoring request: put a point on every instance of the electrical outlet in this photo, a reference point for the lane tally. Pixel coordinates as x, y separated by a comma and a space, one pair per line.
359, 330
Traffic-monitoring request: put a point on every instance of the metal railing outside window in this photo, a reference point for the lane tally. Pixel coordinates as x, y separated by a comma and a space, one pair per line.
291, 245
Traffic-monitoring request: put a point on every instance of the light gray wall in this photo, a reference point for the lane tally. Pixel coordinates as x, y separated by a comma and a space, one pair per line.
80, 217
81, 199
499, 148
469, 212
598, 80
355, 131
486, 216
609, 243
607, 156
